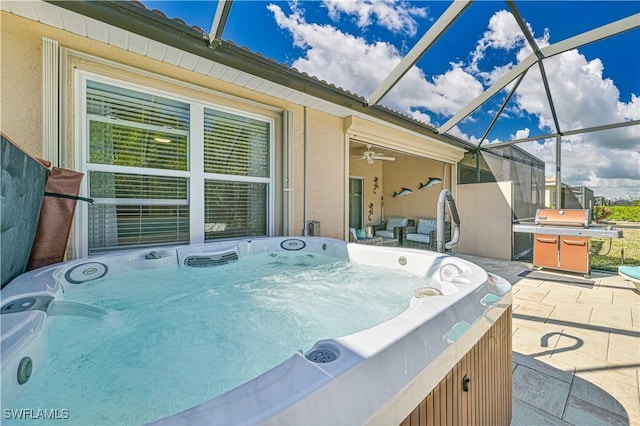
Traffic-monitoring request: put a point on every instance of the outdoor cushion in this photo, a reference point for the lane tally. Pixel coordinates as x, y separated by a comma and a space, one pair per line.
361, 234
419, 238
394, 222
632, 273
384, 234
426, 225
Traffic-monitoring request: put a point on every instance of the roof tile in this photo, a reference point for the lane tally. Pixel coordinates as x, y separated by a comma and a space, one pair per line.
283, 65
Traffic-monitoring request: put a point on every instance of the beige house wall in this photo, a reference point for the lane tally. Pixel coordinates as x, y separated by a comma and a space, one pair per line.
326, 174
409, 172
326, 137
22, 121
550, 195
20, 83
485, 219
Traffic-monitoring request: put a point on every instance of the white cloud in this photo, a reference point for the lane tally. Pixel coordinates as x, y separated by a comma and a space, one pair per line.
630, 110
522, 133
392, 15
354, 64
420, 116
503, 33
614, 173
455, 131
445, 95
607, 161
491, 76
581, 96
342, 59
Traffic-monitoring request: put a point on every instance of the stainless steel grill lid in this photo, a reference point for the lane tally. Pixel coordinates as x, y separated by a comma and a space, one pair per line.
578, 218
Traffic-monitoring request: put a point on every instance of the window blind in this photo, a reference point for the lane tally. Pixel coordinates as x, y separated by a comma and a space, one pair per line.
130, 146
138, 170
235, 145
114, 226
136, 107
235, 209
147, 189
133, 132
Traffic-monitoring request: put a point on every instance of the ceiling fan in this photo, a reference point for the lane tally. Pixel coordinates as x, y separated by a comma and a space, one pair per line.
371, 156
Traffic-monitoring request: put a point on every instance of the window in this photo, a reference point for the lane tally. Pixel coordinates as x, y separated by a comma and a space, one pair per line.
141, 170
235, 148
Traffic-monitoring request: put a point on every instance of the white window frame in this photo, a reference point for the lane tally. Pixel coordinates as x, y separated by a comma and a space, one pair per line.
195, 172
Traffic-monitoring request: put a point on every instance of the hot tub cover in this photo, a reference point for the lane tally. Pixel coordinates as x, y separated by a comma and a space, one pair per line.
23, 183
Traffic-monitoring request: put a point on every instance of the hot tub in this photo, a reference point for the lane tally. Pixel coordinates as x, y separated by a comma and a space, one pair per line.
416, 335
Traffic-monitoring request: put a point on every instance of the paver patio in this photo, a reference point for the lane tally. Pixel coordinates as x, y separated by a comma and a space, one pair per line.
576, 346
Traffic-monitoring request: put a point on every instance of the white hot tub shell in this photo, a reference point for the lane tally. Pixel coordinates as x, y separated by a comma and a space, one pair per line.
376, 376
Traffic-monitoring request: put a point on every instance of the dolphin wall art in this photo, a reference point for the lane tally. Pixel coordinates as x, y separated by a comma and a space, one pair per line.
432, 181
405, 191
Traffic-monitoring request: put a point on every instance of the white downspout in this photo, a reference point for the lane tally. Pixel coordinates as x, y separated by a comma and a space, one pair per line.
305, 231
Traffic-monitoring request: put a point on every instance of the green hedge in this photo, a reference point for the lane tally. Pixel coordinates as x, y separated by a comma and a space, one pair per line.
617, 213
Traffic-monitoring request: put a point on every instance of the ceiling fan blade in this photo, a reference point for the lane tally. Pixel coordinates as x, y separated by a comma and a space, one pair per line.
381, 156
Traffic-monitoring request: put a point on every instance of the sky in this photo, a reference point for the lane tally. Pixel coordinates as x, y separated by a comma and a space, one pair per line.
354, 44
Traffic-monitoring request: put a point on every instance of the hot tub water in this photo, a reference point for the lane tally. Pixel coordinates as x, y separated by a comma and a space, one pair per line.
175, 337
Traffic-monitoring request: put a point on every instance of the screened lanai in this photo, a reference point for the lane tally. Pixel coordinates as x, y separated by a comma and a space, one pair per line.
509, 90
558, 79
200, 125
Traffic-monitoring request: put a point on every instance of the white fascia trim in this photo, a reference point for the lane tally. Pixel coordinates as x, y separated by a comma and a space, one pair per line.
176, 82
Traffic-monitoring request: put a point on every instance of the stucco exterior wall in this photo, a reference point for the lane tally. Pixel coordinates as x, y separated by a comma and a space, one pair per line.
20, 84
409, 172
326, 137
22, 121
326, 175
485, 219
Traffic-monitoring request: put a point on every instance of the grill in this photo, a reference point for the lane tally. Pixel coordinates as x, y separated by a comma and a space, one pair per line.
571, 217
561, 239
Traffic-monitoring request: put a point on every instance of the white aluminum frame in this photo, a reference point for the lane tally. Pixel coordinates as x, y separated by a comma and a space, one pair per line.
50, 101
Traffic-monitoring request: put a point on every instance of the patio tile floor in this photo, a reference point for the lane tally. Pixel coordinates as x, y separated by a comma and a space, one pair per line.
576, 346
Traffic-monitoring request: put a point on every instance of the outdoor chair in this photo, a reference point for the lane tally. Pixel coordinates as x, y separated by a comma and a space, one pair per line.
393, 228
424, 235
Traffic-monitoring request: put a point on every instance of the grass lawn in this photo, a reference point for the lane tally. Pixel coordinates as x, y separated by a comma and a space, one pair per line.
606, 253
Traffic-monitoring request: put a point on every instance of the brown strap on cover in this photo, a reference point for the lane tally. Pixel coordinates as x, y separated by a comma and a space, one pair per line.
56, 216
